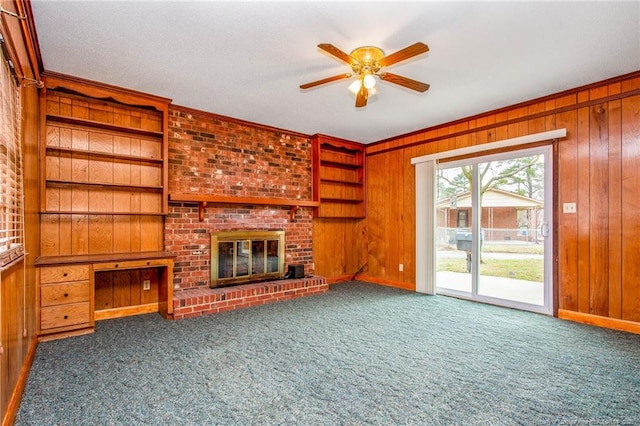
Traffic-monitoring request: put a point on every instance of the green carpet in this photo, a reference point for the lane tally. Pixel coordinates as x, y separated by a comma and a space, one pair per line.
360, 354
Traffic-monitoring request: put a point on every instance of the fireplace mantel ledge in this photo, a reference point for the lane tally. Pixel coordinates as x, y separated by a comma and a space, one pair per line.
203, 199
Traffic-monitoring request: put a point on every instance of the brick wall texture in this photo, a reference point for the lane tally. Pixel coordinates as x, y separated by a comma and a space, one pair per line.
211, 155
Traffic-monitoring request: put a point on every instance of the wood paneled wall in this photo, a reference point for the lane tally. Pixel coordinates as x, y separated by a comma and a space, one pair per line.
18, 309
339, 248
117, 289
598, 167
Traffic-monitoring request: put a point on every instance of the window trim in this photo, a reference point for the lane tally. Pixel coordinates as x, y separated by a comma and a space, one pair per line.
11, 164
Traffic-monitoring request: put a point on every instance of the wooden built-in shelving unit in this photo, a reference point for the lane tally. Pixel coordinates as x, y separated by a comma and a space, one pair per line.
103, 198
87, 159
339, 178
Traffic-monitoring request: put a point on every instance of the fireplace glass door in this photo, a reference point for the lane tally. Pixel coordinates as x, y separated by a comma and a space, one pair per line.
246, 256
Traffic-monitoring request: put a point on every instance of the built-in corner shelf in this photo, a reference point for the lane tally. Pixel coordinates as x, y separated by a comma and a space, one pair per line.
338, 178
204, 200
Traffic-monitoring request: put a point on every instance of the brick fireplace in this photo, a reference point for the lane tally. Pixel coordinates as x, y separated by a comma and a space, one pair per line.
209, 154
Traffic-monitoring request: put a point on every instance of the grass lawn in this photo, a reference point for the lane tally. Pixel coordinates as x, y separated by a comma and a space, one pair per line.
503, 248
508, 248
519, 269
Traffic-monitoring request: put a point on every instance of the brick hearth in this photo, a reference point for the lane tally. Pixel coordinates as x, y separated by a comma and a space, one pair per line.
204, 300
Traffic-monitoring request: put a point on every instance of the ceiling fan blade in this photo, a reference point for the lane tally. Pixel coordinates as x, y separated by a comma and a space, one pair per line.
418, 86
325, 80
404, 54
334, 51
361, 97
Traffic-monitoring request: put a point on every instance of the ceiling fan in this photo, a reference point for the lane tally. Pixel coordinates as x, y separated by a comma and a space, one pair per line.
367, 62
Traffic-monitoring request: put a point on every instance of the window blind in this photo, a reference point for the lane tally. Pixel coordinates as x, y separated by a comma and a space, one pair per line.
11, 177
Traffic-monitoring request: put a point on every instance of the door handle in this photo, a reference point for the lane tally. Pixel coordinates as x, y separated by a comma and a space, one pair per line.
544, 230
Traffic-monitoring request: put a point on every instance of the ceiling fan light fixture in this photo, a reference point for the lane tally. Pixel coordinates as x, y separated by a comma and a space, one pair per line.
366, 63
355, 86
369, 81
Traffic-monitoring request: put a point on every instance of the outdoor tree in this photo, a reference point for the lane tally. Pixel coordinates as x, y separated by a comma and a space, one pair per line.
521, 176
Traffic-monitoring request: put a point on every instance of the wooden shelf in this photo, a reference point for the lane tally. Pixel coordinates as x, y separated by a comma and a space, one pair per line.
341, 182
339, 176
107, 155
203, 200
106, 185
343, 217
103, 126
93, 213
341, 200
338, 164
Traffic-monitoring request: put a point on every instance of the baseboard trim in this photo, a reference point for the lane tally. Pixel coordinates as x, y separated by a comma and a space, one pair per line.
388, 283
16, 396
339, 279
600, 321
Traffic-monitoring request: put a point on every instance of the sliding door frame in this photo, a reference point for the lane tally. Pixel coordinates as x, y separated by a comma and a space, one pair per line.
547, 224
425, 184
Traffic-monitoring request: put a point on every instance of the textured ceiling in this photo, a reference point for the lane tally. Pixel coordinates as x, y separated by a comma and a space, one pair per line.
247, 59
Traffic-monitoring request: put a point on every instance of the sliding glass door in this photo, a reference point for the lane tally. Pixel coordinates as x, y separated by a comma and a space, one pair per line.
493, 229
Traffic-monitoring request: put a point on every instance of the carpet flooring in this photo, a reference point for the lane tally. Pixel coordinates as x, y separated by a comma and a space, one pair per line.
360, 354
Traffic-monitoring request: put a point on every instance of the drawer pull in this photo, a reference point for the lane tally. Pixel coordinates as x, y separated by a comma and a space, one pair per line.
148, 263
117, 265
66, 295
66, 317
65, 274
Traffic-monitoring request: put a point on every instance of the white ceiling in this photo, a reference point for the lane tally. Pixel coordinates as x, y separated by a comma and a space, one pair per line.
247, 59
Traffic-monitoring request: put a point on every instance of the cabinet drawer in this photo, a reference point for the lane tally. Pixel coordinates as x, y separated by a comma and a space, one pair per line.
65, 315
58, 274
58, 294
130, 264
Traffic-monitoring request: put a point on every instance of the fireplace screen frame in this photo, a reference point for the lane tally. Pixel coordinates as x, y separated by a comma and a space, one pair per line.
240, 245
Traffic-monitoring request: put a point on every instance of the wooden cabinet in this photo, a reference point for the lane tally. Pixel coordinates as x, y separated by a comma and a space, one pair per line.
339, 178
66, 293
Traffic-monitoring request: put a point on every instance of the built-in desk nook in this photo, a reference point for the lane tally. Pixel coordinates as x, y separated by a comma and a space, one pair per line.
75, 291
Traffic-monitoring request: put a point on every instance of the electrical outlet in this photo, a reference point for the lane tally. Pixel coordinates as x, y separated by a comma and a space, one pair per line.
401, 267
146, 285
569, 207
